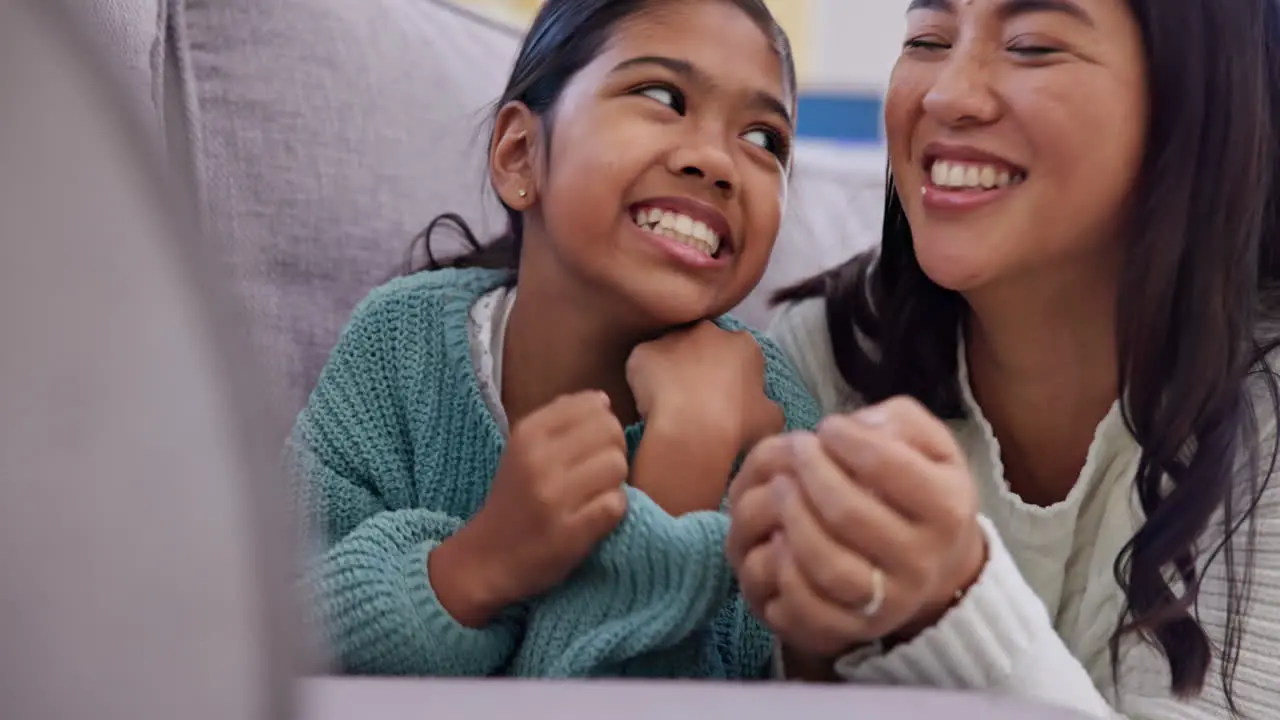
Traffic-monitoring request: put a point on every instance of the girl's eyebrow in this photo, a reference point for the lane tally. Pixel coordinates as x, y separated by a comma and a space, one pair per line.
760, 99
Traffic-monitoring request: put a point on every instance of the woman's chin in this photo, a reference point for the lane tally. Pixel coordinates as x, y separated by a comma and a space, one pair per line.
959, 272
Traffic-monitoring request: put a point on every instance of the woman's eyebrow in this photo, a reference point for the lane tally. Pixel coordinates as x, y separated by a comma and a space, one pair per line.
1013, 8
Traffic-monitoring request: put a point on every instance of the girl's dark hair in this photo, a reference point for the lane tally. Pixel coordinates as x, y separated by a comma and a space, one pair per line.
1198, 286
565, 37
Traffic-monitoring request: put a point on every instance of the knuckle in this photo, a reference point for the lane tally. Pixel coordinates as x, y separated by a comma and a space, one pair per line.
903, 405
840, 512
771, 450
918, 568
542, 497
835, 581
954, 516
616, 507
805, 445
767, 457
833, 427
621, 467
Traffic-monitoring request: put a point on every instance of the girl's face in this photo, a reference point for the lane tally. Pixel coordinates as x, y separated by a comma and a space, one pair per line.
1016, 131
664, 184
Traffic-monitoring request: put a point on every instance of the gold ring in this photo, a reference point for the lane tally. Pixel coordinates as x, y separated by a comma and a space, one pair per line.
872, 608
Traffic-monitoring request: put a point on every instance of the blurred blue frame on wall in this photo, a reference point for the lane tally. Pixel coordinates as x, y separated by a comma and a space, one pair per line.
843, 117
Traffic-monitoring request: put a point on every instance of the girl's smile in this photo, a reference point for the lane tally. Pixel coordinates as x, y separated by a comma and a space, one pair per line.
690, 231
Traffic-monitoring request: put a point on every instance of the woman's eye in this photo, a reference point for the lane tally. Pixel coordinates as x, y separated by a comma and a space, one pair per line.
666, 95
925, 43
769, 140
1033, 51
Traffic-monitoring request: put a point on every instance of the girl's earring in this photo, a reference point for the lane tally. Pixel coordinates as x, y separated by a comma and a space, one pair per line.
523, 193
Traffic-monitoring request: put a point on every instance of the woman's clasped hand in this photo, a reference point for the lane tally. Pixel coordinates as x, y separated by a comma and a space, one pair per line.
864, 530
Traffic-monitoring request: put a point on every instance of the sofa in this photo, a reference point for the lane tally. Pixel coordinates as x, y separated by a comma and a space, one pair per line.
319, 136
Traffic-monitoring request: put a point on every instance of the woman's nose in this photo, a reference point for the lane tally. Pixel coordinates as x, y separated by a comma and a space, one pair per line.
963, 93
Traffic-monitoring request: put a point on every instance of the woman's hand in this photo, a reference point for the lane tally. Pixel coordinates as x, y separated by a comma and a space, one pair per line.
701, 393
865, 530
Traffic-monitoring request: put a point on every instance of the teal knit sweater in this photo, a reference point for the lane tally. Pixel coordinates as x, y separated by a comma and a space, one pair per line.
395, 451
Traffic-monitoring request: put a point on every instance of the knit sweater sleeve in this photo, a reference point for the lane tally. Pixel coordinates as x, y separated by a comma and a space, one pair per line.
351, 460
658, 597
1000, 638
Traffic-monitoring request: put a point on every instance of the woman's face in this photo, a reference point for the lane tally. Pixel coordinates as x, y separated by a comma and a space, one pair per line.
1016, 130
663, 190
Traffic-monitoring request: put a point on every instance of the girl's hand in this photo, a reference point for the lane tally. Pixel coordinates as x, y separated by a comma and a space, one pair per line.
701, 394
707, 375
866, 530
558, 492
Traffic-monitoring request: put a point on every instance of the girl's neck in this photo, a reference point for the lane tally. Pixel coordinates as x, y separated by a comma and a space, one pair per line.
1043, 367
557, 345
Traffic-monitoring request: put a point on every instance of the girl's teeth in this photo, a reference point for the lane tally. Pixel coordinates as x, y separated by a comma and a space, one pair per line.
681, 228
967, 175
684, 225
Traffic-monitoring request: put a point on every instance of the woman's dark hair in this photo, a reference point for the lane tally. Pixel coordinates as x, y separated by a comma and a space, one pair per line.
565, 37
1200, 279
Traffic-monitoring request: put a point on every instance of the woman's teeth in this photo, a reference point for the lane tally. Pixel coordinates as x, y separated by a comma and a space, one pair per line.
681, 228
972, 176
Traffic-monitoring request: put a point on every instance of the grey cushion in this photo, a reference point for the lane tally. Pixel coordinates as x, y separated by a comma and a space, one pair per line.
128, 34
326, 135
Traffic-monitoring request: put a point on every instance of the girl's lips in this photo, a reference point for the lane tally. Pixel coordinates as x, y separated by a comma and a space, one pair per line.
681, 253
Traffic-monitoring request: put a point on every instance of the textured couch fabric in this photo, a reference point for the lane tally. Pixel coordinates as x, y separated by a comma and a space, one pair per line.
128, 33
324, 134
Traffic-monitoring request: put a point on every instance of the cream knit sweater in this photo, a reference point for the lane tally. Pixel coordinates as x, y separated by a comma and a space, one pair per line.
1037, 622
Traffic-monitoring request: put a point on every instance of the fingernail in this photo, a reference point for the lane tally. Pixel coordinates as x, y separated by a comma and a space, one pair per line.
604, 398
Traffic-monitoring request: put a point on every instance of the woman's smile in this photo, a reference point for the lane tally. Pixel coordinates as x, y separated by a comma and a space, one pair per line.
959, 178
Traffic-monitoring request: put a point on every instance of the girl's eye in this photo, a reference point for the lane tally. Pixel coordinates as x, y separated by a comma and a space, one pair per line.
666, 95
769, 140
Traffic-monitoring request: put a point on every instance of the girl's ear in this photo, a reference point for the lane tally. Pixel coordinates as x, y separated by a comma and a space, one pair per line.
512, 156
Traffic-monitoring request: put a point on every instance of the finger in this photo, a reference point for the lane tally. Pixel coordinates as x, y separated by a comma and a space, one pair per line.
836, 574
803, 619
591, 434
600, 474
758, 576
850, 513
909, 421
600, 516
565, 413
769, 458
754, 518
885, 466
571, 429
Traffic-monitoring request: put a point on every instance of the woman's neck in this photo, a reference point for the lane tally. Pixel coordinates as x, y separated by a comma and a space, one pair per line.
1043, 367
557, 345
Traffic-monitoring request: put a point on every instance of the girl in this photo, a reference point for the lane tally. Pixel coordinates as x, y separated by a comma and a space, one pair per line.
464, 454
1078, 275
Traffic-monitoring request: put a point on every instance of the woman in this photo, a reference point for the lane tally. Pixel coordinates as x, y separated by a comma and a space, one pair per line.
1080, 209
